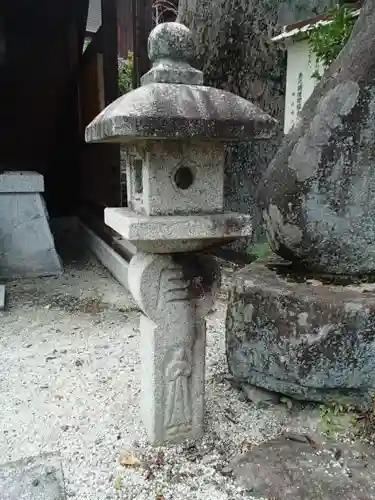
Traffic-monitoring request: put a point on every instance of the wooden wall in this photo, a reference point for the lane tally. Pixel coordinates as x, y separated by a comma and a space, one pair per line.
99, 168
38, 94
48, 94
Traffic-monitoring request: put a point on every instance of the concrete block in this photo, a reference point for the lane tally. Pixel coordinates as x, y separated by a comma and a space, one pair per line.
21, 182
27, 247
36, 478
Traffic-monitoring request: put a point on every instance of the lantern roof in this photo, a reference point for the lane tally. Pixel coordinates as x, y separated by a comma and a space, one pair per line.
173, 103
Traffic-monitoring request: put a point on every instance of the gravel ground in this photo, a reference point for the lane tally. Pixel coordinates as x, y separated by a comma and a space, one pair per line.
69, 372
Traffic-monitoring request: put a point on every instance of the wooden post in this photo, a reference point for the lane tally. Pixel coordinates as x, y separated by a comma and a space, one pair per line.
142, 26
109, 48
103, 160
125, 27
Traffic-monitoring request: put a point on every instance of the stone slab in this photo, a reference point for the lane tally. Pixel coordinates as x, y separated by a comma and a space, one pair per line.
305, 339
169, 234
35, 478
21, 182
2, 297
289, 470
27, 247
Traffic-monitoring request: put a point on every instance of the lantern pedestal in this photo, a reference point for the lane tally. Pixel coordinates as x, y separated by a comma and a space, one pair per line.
173, 294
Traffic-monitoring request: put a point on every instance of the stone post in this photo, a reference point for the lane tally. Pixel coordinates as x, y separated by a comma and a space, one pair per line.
175, 129
173, 339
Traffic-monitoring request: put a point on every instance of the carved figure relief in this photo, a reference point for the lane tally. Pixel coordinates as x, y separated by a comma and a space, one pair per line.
178, 414
174, 292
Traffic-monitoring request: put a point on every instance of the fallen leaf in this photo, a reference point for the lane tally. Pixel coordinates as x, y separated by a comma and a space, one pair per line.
118, 483
150, 475
312, 442
160, 459
129, 460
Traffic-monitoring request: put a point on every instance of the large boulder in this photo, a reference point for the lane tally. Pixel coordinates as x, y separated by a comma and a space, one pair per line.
318, 194
304, 339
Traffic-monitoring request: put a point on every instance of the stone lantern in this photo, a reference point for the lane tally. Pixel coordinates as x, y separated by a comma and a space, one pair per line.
176, 130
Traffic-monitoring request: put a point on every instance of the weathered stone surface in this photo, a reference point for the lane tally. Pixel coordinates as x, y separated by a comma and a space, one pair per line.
171, 41
172, 103
306, 340
173, 340
171, 48
318, 194
289, 470
27, 247
36, 478
182, 112
259, 396
170, 234
174, 178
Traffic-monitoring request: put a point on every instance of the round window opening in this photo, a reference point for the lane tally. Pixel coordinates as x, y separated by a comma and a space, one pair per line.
183, 178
